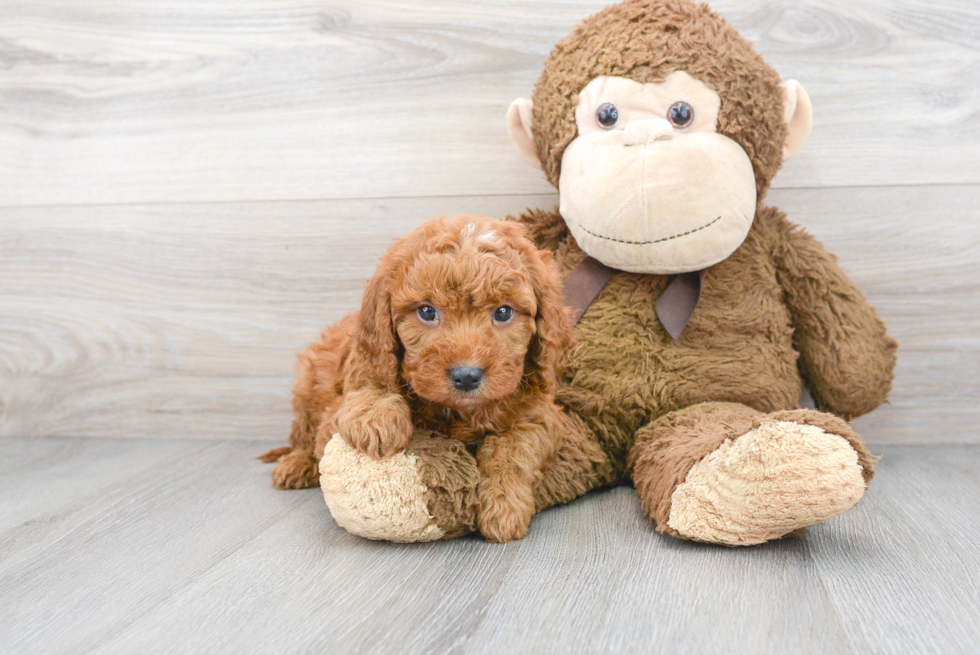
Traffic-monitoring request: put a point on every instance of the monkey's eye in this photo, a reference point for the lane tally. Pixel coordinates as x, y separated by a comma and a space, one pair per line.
607, 115
427, 313
503, 314
680, 114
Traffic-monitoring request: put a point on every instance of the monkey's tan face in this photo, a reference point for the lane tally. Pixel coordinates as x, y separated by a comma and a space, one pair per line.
649, 185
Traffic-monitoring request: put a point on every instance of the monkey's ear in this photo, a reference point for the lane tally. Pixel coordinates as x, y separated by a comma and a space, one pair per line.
798, 114
520, 116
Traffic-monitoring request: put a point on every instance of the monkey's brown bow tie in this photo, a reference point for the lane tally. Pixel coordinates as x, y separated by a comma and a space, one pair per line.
674, 307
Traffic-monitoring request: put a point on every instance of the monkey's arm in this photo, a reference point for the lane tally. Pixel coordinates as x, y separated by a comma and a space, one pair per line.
846, 357
545, 228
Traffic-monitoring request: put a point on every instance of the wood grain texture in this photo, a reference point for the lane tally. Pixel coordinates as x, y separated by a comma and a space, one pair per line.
182, 320
916, 560
135, 102
199, 554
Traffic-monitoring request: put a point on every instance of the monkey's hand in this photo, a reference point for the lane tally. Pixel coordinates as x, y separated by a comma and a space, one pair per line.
376, 422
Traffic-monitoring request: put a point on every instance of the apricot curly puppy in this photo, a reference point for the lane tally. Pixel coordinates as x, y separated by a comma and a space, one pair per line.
461, 332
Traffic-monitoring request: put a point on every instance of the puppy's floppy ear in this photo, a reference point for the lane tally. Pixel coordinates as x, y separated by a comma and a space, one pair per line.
376, 338
555, 333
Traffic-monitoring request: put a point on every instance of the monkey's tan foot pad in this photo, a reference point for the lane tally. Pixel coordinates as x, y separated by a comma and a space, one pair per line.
779, 477
424, 493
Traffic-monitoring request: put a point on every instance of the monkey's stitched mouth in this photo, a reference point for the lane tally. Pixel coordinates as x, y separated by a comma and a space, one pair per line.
646, 243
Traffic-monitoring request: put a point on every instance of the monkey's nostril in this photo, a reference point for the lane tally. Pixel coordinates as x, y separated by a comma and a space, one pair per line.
466, 378
645, 131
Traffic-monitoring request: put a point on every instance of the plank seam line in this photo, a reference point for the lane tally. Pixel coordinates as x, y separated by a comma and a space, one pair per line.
435, 197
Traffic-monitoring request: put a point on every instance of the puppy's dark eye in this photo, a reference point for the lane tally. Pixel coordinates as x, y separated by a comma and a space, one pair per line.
607, 115
503, 314
680, 114
427, 313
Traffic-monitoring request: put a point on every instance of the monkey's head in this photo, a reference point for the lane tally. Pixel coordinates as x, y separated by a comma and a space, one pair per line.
662, 128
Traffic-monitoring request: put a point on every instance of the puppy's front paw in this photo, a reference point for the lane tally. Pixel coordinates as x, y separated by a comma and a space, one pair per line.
378, 425
504, 517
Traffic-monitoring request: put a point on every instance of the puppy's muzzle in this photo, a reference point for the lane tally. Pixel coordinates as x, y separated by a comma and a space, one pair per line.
466, 378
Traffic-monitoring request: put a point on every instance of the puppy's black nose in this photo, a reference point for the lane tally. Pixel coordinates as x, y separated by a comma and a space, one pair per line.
466, 378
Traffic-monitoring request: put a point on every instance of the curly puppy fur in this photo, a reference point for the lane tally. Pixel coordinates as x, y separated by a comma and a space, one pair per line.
382, 374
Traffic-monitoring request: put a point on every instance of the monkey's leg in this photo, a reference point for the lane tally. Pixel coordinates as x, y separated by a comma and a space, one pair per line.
579, 466
426, 492
725, 473
429, 491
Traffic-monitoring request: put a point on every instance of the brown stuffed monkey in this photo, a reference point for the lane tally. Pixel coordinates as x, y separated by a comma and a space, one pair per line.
700, 309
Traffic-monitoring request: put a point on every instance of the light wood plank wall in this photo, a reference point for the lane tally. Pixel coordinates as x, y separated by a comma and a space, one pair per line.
189, 191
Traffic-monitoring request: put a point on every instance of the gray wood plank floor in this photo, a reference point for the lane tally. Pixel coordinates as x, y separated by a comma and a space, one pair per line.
184, 546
